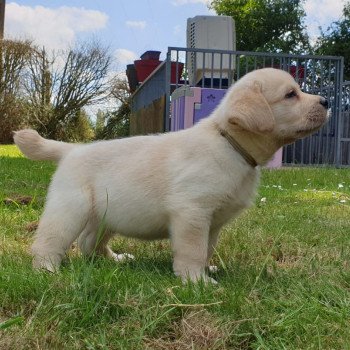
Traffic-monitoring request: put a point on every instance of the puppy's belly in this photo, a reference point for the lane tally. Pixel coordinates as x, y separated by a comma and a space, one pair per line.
146, 236
142, 223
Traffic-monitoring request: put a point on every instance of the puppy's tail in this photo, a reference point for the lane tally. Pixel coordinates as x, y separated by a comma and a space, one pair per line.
35, 147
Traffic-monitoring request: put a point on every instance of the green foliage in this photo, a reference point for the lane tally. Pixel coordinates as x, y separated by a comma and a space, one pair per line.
115, 124
78, 128
12, 117
65, 91
100, 123
284, 276
38, 92
267, 25
14, 56
335, 41
111, 125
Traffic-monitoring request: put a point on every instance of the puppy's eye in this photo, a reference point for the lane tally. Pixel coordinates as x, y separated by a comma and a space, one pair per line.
291, 94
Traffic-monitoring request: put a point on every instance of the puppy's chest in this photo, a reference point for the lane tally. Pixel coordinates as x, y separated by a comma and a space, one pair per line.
240, 197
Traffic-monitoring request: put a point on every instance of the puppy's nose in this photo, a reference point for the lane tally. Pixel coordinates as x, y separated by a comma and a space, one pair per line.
324, 102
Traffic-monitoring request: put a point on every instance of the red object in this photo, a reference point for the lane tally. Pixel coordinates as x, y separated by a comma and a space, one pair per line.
150, 55
180, 66
294, 71
144, 68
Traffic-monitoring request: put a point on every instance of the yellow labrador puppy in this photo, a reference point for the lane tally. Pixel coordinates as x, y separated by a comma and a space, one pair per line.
184, 185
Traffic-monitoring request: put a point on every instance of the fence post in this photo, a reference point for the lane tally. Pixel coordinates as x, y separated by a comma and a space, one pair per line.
167, 91
339, 111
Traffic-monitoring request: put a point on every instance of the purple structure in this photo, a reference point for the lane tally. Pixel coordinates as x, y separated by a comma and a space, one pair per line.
210, 98
191, 104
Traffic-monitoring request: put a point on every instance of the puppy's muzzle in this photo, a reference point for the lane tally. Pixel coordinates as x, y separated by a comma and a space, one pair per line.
324, 102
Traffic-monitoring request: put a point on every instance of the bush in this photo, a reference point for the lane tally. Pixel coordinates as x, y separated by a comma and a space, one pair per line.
13, 59
12, 117
114, 124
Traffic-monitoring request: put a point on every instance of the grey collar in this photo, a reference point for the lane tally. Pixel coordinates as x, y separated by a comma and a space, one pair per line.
247, 157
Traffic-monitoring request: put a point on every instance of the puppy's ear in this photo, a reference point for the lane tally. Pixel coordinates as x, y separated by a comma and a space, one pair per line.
250, 110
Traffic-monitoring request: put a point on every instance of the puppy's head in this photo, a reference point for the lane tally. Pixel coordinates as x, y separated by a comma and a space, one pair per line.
269, 101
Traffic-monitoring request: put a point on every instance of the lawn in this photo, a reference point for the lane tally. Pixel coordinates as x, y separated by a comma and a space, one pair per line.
284, 275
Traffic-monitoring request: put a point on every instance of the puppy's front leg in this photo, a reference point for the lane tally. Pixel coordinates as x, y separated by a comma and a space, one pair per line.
189, 239
213, 239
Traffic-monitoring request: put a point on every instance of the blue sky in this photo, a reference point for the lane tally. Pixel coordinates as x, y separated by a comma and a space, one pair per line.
129, 27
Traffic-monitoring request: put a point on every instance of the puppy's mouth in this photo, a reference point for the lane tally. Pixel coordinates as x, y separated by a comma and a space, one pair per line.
308, 131
315, 123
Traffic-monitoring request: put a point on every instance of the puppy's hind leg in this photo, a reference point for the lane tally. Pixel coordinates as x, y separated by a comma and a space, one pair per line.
65, 215
93, 241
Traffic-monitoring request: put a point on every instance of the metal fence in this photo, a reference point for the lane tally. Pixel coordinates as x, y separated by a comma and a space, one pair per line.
321, 75
344, 130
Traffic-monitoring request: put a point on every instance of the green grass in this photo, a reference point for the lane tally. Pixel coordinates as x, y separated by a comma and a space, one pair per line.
284, 276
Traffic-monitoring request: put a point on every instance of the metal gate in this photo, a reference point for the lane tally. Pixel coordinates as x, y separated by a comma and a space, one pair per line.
344, 127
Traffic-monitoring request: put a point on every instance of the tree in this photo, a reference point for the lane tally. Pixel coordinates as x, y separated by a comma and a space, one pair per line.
114, 124
14, 56
335, 41
267, 25
101, 117
60, 87
79, 128
38, 86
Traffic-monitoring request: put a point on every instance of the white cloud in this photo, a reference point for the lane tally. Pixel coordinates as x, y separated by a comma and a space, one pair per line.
324, 10
54, 28
124, 57
186, 2
321, 13
136, 24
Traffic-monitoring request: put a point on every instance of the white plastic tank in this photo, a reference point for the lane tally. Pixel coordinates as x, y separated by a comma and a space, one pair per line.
210, 32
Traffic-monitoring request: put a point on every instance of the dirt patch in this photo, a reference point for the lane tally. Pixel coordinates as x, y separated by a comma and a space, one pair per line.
32, 226
195, 330
18, 199
25, 341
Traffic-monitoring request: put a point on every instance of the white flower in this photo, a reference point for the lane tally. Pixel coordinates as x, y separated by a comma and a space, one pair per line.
294, 184
263, 200
340, 186
343, 201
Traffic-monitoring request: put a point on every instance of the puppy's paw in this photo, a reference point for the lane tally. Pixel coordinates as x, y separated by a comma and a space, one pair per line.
40, 263
122, 257
205, 279
209, 280
213, 268
197, 278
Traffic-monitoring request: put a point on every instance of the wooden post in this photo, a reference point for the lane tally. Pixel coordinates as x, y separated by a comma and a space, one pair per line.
2, 23
2, 18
